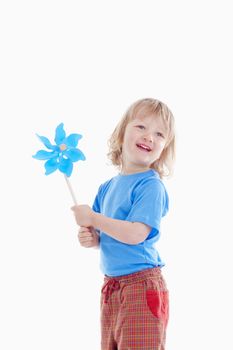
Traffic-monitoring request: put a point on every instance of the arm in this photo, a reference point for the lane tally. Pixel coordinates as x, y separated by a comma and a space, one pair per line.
123, 231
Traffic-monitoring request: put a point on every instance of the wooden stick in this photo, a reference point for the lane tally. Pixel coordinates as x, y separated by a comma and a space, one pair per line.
71, 190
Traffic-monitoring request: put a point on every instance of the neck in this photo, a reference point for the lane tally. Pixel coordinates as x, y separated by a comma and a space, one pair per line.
132, 170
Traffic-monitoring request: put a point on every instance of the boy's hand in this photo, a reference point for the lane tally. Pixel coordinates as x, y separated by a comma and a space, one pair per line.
88, 237
84, 215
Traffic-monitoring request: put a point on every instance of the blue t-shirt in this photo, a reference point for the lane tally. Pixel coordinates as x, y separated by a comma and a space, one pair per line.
139, 197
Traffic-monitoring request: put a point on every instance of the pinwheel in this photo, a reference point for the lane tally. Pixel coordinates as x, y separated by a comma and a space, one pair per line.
62, 155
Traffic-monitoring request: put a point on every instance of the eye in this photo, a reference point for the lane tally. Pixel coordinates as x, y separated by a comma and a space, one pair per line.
140, 127
160, 134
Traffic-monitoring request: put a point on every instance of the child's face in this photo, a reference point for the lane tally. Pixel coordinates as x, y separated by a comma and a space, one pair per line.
144, 140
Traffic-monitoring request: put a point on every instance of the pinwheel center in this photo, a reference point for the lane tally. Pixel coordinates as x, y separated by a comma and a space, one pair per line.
63, 147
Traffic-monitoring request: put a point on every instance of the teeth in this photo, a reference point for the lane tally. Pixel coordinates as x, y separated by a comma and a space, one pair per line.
144, 147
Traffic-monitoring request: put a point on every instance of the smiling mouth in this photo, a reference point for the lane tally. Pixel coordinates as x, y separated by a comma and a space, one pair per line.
143, 147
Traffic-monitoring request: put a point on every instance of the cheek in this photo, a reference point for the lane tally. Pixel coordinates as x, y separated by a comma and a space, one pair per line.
159, 149
125, 146
161, 144
129, 141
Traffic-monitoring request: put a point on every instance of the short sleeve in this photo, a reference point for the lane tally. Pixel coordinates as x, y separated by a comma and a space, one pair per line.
96, 203
149, 203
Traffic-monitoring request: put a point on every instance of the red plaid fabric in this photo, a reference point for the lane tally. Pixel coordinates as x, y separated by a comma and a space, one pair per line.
134, 311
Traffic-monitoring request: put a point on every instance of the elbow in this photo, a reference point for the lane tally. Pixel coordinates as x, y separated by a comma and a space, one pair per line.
139, 233
136, 241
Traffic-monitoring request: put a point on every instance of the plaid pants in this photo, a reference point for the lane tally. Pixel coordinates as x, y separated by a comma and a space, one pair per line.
134, 311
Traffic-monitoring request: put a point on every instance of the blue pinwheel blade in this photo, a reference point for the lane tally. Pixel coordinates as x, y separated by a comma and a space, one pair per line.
60, 134
72, 140
74, 154
43, 155
50, 166
46, 142
65, 166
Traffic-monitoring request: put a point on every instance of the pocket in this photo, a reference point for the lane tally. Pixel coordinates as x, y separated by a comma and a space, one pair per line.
158, 303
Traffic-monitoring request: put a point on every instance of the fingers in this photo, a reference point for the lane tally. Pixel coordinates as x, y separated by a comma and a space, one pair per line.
86, 242
84, 228
85, 237
88, 237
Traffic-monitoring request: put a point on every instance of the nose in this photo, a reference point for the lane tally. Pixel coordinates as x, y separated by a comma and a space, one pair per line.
148, 138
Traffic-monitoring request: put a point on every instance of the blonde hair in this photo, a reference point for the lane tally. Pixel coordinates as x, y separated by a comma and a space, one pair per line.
146, 106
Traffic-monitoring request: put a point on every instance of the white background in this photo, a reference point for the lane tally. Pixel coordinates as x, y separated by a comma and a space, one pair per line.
83, 63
